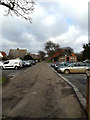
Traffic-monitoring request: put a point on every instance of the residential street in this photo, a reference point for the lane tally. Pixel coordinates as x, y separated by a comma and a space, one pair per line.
40, 93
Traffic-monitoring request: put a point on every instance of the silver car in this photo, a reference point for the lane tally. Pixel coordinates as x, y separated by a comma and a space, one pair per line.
75, 68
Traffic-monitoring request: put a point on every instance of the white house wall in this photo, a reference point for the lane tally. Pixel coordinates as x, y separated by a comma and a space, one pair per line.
1, 55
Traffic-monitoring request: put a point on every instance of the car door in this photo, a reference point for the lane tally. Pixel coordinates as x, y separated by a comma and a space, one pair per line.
74, 68
82, 68
6, 64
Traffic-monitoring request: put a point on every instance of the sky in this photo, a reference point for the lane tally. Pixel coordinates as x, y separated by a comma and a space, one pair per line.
61, 21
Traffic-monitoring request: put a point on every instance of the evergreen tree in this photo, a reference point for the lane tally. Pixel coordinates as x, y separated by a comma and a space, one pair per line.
86, 51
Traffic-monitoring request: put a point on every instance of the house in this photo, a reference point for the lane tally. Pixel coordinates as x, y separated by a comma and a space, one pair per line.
64, 55
3, 54
35, 56
17, 53
28, 53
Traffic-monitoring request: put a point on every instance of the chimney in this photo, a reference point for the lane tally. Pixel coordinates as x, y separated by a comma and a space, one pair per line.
17, 48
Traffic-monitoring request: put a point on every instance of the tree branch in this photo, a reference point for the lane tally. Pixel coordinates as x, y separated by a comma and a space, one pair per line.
8, 5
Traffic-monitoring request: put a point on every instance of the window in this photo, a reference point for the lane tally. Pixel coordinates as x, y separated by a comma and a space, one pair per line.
72, 58
6, 62
62, 58
16, 62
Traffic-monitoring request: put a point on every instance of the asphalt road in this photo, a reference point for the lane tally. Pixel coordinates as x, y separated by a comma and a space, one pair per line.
79, 80
10, 73
40, 93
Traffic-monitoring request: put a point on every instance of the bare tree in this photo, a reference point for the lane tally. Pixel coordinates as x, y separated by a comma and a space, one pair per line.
21, 8
42, 55
51, 48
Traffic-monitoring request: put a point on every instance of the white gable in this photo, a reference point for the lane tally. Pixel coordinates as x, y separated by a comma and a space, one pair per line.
1, 55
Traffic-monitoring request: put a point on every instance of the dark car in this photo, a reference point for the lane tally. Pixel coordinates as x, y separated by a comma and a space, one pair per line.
24, 64
52, 64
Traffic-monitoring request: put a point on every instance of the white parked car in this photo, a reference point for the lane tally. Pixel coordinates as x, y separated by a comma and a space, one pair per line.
14, 63
1, 62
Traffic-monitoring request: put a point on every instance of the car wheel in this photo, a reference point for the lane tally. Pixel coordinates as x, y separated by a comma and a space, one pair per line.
1, 67
86, 72
66, 72
16, 68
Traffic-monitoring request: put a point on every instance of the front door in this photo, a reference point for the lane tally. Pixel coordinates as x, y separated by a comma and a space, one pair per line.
67, 58
55, 59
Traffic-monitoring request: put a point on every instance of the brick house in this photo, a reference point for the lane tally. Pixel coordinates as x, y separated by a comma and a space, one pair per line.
17, 53
64, 55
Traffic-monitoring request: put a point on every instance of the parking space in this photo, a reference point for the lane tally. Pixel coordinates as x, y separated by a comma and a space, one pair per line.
10, 73
79, 80
14, 67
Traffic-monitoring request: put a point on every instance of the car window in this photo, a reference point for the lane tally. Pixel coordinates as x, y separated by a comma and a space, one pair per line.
70, 65
6, 62
82, 64
87, 64
76, 65
16, 62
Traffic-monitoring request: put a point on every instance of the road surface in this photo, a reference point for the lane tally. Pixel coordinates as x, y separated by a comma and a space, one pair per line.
10, 73
79, 80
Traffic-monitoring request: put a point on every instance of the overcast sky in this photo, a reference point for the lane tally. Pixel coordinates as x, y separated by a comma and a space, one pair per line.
62, 21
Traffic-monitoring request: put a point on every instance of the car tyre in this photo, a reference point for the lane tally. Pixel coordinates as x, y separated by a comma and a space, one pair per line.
66, 72
1, 67
16, 67
86, 72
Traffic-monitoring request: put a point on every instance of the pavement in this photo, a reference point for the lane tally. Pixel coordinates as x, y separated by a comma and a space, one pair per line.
40, 93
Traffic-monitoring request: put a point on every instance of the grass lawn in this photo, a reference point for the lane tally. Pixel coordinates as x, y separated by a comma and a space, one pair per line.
3, 80
48, 61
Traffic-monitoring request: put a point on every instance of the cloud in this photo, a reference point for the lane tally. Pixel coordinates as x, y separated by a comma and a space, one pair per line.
71, 38
63, 21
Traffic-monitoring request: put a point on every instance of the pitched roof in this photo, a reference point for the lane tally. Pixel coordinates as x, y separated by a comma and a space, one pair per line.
62, 52
56, 55
18, 49
72, 54
3, 53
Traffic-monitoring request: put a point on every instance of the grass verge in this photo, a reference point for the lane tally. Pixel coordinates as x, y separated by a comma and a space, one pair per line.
48, 61
3, 80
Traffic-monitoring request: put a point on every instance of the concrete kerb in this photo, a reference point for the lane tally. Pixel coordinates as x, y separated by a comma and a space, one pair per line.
20, 73
80, 97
